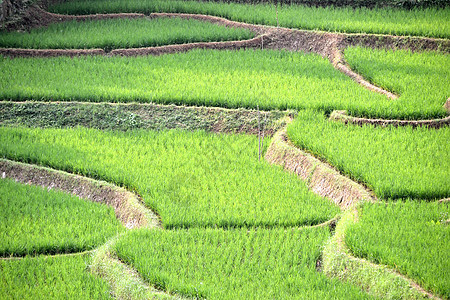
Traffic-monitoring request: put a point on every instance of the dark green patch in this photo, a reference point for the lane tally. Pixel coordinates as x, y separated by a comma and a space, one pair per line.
136, 116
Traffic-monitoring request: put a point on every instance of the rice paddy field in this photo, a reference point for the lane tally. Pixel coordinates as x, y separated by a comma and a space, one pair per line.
51, 278
419, 78
223, 264
432, 22
121, 33
187, 133
197, 179
415, 240
40, 221
230, 79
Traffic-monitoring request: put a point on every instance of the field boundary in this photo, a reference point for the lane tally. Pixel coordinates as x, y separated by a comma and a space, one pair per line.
48, 255
376, 279
321, 178
127, 206
340, 64
125, 282
342, 116
254, 43
128, 116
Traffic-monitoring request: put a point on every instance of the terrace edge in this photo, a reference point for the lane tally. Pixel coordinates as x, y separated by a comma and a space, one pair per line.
342, 116
376, 279
127, 206
321, 178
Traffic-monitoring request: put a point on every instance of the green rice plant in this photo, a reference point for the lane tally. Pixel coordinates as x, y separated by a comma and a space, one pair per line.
410, 236
246, 78
420, 78
121, 33
192, 179
35, 220
64, 277
394, 162
234, 264
431, 22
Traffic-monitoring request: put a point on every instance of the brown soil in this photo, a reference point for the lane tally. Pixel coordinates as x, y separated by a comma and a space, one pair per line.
339, 63
15, 52
447, 105
378, 41
341, 115
320, 177
36, 17
127, 205
232, 45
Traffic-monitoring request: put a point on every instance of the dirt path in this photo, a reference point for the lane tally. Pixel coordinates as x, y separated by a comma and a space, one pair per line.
337, 59
342, 116
320, 177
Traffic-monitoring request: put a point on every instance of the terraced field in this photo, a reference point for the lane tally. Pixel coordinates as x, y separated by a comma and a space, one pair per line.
228, 160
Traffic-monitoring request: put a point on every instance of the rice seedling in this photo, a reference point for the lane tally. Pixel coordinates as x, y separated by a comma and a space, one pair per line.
234, 264
34, 220
233, 79
394, 162
420, 78
431, 22
410, 236
192, 179
121, 33
50, 278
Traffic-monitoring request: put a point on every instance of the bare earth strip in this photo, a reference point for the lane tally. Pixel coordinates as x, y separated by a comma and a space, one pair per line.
340, 64
320, 177
127, 206
255, 43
